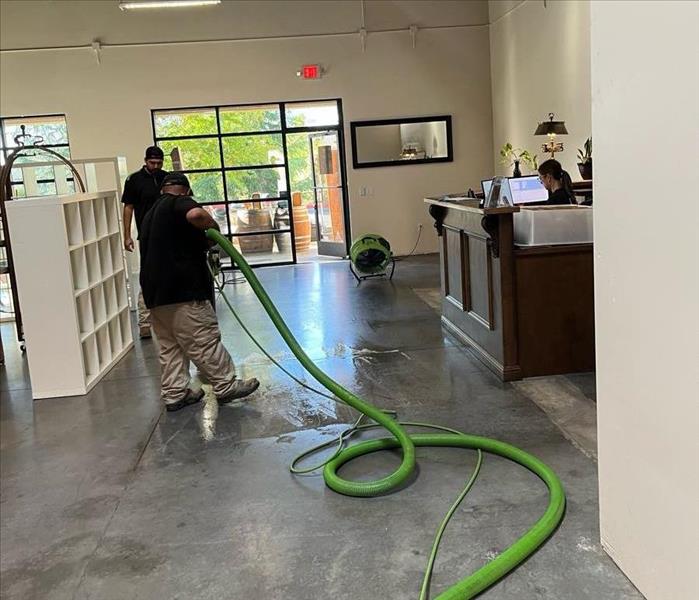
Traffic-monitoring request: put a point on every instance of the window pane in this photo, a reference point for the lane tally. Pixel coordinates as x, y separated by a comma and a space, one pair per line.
176, 123
18, 191
255, 183
46, 189
39, 156
247, 151
259, 216
256, 258
312, 114
251, 118
300, 167
218, 212
207, 187
6, 306
256, 218
193, 154
53, 130
44, 173
264, 248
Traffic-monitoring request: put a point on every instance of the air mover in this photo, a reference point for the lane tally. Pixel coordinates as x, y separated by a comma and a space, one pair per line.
370, 256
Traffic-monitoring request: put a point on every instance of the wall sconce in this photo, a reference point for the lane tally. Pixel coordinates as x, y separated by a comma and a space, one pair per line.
552, 128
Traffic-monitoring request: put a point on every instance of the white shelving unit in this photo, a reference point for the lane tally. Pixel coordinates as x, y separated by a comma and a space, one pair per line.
71, 277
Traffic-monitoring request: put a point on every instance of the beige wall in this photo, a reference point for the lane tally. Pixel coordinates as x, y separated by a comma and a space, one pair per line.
645, 116
108, 105
540, 63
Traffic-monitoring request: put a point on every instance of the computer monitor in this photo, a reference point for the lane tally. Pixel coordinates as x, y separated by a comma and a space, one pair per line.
527, 190
486, 184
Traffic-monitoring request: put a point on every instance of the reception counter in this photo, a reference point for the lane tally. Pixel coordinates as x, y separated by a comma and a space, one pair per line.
524, 311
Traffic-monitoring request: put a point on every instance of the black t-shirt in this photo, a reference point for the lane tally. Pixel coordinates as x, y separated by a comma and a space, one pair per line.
560, 196
173, 254
141, 190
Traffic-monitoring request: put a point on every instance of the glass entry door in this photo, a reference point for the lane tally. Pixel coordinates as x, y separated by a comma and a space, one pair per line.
328, 193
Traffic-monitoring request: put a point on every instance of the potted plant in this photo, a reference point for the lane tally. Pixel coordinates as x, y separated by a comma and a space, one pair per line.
529, 159
514, 156
585, 156
510, 157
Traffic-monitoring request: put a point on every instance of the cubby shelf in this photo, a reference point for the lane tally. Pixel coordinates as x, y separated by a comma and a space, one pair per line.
76, 315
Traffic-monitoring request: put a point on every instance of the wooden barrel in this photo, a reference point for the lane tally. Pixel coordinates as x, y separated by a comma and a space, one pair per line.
254, 219
302, 224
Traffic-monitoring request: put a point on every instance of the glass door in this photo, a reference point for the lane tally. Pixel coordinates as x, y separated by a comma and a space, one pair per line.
328, 193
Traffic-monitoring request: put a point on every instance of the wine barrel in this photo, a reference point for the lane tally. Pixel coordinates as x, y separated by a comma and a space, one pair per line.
302, 224
254, 219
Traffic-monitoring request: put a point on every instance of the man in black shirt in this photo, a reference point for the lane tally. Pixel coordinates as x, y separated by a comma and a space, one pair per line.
141, 190
177, 288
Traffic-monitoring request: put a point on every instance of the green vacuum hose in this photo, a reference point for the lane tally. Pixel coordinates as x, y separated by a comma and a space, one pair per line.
492, 571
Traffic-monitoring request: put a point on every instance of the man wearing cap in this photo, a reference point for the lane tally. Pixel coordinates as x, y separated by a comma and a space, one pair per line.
178, 289
141, 190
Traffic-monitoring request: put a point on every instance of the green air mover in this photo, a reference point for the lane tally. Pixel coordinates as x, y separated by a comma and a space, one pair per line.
370, 256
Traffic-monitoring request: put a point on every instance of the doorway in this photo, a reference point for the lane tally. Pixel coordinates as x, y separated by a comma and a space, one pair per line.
272, 175
318, 194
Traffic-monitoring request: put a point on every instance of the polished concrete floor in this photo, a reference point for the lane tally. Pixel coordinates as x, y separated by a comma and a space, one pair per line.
106, 497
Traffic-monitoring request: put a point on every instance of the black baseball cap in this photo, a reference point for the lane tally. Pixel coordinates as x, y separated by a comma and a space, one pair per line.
175, 178
154, 152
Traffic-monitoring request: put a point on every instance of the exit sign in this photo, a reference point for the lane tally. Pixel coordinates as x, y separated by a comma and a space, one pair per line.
310, 72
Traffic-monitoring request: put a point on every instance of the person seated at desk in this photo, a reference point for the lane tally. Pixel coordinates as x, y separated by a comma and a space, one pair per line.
557, 182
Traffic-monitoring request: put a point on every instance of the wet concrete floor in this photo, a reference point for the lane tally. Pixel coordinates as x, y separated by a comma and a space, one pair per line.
106, 497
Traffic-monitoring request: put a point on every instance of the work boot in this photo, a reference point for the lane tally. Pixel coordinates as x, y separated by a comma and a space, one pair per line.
144, 332
241, 388
191, 397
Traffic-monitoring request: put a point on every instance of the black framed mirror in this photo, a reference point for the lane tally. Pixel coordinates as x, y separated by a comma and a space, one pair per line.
405, 141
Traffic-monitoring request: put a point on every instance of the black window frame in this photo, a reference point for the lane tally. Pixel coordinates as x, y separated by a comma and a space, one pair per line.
6, 151
284, 130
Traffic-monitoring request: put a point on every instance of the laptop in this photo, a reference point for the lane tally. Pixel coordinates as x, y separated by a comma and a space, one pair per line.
527, 190
486, 184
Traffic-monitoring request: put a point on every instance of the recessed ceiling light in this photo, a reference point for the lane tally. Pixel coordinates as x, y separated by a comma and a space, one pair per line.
131, 4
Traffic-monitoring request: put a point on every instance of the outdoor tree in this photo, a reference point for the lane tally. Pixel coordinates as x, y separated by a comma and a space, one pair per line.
238, 151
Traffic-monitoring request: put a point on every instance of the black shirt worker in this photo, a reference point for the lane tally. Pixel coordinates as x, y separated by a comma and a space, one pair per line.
177, 288
141, 190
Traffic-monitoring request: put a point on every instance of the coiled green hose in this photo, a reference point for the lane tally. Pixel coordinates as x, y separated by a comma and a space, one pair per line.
492, 571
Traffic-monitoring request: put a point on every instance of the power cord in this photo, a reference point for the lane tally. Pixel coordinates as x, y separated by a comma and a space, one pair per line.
417, 241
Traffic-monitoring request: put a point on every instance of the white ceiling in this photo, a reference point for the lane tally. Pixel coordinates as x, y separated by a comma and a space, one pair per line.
46, 23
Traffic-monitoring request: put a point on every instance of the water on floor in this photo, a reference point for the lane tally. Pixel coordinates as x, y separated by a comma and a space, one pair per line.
106, 497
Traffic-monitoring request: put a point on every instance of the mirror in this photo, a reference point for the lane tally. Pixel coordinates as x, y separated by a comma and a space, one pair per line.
392, 142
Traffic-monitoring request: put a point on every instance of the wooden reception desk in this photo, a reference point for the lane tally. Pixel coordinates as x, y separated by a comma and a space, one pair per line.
524, 311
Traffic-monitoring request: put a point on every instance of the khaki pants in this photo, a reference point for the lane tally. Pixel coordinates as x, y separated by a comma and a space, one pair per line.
143, 312
189, 331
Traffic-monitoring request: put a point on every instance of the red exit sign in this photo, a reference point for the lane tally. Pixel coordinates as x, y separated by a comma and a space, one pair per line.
310, 72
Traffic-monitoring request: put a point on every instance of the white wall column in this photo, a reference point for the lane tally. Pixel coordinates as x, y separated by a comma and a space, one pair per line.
645, 124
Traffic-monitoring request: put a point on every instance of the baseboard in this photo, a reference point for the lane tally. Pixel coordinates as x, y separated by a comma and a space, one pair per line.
509, 373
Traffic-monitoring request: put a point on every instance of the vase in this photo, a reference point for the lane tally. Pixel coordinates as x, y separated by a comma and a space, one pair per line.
585, 170
516, 172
